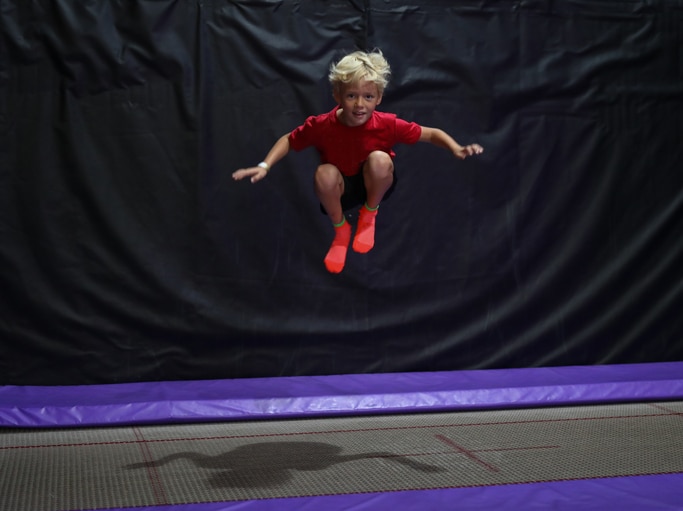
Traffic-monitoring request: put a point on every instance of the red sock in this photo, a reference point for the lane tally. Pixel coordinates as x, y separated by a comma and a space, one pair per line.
365, 234
336, 256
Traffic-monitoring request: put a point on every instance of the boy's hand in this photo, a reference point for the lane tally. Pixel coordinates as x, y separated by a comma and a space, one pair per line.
255, 173
468, 150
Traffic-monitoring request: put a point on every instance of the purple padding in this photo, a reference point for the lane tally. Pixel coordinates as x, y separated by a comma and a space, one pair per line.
295, 397
642, 493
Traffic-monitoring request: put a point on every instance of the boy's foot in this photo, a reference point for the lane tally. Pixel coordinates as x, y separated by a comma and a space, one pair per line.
336, 256
365, 233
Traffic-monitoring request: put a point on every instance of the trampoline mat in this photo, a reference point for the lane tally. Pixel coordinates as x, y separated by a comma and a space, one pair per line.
97, 468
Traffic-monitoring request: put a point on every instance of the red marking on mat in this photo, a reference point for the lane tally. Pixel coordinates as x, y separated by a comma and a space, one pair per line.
665, 409
467, 452
508, 449
152, 473
440, 453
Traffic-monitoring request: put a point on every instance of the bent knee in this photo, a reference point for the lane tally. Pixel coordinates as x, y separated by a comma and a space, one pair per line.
379, 164
327, 176
380, 158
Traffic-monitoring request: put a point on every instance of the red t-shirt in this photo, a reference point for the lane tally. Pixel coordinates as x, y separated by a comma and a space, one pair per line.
346, 147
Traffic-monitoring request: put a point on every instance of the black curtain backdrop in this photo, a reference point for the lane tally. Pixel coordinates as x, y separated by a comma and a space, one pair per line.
128, 253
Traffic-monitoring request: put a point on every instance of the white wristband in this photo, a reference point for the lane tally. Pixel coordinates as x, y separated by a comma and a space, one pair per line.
264, 165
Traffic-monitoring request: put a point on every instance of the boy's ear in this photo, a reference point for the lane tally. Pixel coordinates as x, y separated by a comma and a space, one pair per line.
379, 98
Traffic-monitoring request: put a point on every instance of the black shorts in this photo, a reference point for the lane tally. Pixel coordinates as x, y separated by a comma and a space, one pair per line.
355, 194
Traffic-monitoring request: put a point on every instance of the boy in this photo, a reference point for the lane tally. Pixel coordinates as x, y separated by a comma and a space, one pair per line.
355, 144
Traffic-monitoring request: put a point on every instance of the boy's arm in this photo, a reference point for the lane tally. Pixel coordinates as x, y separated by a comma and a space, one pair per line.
276, 153
442, 139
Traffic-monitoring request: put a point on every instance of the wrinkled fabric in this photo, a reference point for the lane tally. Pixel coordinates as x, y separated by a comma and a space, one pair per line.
129, 254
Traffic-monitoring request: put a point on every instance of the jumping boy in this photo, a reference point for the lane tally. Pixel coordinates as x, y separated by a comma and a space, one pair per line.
355, 144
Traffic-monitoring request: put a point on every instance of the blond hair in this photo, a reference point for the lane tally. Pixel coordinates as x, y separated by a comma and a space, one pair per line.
358, 66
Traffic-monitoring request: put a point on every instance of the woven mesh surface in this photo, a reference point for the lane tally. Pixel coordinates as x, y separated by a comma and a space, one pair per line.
55, 470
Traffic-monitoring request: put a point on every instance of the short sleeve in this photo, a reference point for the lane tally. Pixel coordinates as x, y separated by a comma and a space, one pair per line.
303, 136
407, 132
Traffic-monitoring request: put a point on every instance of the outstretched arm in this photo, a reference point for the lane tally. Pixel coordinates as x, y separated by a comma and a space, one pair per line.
442, 139
276, 153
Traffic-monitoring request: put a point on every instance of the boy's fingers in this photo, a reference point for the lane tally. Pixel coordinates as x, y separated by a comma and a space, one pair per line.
241, 173
255, 173
475, 149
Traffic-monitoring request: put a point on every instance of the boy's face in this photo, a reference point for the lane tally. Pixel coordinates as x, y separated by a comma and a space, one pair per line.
357, 102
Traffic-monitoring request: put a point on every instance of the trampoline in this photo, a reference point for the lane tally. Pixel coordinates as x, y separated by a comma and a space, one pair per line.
599, 437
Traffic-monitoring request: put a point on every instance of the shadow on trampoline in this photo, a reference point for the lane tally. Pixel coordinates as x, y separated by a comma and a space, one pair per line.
271, 464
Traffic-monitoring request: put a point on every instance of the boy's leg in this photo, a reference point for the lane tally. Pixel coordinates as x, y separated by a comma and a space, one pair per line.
329, 187
378, 176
